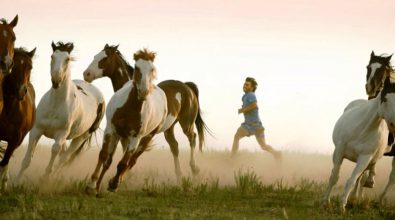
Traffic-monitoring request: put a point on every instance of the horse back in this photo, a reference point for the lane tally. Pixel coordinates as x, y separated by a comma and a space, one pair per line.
181, 100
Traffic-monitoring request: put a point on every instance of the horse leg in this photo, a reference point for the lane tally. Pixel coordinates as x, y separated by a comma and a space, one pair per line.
105, 158
140, 150
34, 136
74, 145
356, 192
187, 128
337, 162
369, 183
123, 164
56, 148
362, 163
391, 181
169, 136
4, 176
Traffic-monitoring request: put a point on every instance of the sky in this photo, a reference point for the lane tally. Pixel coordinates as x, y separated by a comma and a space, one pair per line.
309, 57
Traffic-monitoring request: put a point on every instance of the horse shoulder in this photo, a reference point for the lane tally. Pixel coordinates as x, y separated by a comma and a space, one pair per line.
118, 100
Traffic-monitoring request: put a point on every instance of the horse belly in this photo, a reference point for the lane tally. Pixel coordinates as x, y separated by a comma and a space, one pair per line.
169, 121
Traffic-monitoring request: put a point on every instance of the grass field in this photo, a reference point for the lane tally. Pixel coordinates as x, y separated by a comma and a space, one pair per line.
253, 186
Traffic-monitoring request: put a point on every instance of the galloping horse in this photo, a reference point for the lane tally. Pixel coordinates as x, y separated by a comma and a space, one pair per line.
7, 41
18, 114
360, 135
378, 69
182, 100
71, 109
135, 114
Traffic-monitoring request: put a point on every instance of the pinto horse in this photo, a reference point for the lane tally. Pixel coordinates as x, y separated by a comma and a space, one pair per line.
18, 114
360, 135
182, 100
71, 109
7, 41
378, 69
135, 114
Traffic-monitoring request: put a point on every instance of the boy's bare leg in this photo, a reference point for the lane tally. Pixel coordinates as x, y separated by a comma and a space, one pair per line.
240, 133
260, 137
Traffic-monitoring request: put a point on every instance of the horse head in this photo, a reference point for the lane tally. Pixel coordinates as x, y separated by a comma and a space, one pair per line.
144, 72
7, 41
17, 82
378, 69
110, 63
60, 60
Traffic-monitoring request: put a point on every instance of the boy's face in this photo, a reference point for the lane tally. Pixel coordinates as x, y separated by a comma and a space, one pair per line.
247, 87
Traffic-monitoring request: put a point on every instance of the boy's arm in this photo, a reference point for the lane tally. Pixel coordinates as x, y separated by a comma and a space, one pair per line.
248, 108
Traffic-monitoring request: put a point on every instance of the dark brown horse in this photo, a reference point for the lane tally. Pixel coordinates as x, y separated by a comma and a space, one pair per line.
182, 104
18, 114
7, 41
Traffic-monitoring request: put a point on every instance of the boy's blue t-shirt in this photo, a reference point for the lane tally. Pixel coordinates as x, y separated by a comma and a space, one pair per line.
251, 116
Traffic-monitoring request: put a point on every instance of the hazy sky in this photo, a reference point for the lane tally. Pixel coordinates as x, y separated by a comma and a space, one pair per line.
309, 57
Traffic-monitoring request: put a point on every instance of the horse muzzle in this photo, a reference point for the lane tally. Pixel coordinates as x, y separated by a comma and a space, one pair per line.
55, 84
22, 92
5, 68
88, 76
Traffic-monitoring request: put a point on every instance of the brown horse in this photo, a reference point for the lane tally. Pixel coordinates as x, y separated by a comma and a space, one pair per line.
182, 100
19, 111
7, 41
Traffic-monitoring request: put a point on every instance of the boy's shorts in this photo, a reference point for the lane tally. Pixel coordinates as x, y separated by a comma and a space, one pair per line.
255, 128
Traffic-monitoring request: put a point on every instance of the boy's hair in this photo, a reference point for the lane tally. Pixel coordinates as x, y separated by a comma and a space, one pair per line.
253, 83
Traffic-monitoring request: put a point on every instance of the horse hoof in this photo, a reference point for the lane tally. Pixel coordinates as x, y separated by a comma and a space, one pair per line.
90, 191
112, 186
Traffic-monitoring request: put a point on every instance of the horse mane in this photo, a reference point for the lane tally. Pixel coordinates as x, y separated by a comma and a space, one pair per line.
389, 87
67, 47
129, 68
22, 50
144, 54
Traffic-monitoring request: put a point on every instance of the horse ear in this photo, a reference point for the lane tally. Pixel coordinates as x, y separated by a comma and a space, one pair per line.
31, 53
372, 54
106, 46
53, 46
388, 59
116, 47
14, 22
70, 48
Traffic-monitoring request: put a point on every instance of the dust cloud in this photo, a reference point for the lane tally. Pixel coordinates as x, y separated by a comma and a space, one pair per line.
158, 165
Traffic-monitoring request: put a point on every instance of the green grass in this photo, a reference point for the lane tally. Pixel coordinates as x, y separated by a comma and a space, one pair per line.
192, 198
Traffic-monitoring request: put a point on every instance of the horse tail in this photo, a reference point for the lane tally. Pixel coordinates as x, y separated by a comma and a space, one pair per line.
199, 123
101, 109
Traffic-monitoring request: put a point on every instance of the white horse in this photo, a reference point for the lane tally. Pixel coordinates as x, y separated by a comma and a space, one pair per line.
135, 114
378, 69
69, 110
360, 135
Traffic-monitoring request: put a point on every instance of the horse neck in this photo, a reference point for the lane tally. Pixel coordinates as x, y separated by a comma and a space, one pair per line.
118, 79
66, 88
372, 119
118, 82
